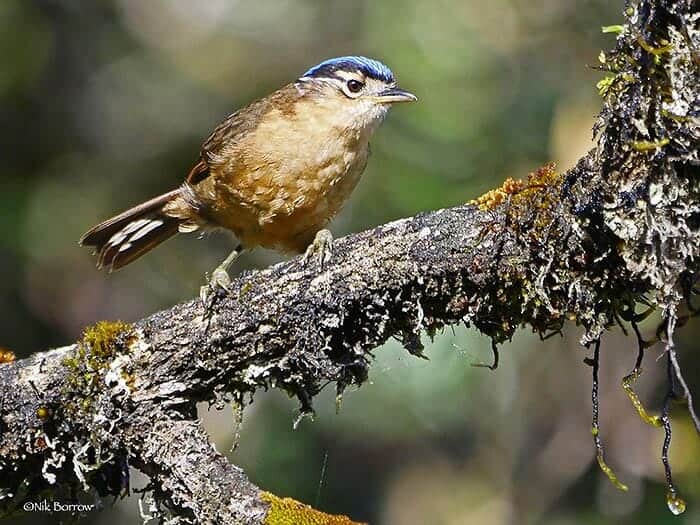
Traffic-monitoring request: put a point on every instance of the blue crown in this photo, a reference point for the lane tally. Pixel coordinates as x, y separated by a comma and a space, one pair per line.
369, 67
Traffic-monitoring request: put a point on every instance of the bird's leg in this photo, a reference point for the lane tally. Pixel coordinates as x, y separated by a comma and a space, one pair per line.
220, 279
321, 248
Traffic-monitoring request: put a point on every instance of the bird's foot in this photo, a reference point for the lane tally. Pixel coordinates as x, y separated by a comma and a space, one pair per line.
218, 283
320, 249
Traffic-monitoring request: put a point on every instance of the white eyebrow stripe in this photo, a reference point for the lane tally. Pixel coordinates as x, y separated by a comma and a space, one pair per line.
350, 75
331, 81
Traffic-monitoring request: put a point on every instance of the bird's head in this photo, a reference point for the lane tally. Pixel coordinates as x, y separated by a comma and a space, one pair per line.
361, 90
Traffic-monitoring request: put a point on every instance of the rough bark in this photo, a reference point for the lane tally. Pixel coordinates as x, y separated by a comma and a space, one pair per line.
585, 247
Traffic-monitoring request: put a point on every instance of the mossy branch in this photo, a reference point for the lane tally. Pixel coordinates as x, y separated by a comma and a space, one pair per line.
586, 247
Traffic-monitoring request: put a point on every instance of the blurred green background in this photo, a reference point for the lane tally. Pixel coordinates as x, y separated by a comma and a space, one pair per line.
105, 104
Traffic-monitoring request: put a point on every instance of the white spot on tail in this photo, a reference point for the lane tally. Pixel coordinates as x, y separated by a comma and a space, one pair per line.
117, 238
146, 229
133, 226
136, 230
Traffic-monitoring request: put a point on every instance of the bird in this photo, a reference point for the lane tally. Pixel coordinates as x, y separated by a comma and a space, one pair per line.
274, 173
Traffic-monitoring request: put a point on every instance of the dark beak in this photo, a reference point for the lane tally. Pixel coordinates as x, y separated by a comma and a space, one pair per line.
391, 95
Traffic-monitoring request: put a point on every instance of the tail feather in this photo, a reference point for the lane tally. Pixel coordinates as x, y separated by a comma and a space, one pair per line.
127, 236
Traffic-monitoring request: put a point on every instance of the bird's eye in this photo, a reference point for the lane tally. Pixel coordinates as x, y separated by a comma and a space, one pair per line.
354, 86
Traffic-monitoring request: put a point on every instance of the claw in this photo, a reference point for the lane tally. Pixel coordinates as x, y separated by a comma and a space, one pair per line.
320, 249
218, 282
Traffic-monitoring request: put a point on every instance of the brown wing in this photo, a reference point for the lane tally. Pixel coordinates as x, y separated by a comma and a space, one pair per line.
229, 129
246, 119
236, 126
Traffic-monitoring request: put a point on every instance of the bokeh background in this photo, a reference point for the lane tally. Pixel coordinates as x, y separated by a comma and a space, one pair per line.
104, 104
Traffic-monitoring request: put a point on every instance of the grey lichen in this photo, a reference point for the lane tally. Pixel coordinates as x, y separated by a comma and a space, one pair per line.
71, 440
649, 133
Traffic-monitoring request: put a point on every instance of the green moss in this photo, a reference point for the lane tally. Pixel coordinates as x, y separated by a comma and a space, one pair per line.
101, 338
245, 289
646, 145
613, 84
627, 384
88, 364
665, 47
516, 192
287, 511
617, 28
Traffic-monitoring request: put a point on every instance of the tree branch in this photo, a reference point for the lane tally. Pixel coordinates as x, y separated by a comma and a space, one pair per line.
620, 227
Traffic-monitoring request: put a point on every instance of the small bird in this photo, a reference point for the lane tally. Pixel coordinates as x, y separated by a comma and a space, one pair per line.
274, 173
